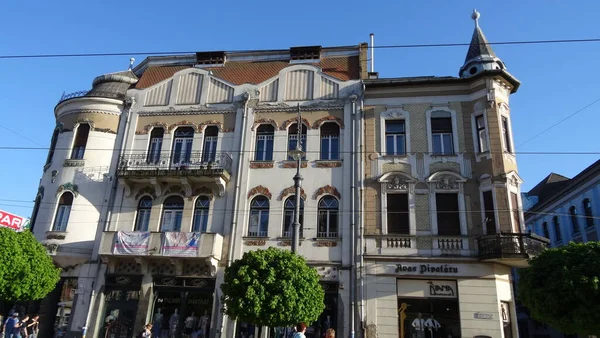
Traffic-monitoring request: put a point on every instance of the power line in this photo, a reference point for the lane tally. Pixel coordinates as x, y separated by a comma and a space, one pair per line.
561, 121
144, 152
21, 135
430, 45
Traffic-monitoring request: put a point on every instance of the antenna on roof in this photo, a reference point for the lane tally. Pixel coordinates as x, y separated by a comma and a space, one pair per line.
131, 61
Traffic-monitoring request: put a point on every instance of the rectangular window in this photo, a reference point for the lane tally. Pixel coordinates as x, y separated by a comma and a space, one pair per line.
395, 137
259, 223
182, 151
171, 220
448, 219
506, 135
209, 151
545, 230
330, 141
514, 200
441, 134
398, 219
143, 220
481, 134
62, 217
557, 233
264, 148
490, 213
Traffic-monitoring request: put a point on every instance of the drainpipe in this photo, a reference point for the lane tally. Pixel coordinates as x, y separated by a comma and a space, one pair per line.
353, 274
361, 169
113, 168
238, 183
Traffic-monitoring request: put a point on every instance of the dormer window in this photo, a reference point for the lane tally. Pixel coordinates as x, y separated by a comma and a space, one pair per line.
311, 53
210, 58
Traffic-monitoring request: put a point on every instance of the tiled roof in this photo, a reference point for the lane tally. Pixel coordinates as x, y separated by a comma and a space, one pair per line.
254, 72
479, 46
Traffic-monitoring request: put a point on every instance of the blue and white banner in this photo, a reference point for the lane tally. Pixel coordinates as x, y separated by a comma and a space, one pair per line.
132, 243
181, 244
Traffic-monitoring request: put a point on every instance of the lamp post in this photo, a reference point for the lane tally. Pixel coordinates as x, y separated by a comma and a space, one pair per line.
297, 155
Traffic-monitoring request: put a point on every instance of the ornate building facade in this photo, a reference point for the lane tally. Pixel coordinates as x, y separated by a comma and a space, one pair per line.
442, 217
161, 175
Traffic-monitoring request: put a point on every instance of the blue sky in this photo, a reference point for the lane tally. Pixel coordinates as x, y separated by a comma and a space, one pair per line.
557, 79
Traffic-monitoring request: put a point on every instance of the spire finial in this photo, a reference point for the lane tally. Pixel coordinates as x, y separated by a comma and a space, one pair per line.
131, 61
475, 16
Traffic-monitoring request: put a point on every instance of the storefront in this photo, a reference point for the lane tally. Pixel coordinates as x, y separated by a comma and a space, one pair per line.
183, 307
121, 296
415, 299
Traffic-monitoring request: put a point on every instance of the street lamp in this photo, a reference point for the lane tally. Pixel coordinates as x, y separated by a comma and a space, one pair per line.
297, 154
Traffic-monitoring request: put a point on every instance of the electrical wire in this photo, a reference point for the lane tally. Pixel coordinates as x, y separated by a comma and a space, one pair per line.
429, 45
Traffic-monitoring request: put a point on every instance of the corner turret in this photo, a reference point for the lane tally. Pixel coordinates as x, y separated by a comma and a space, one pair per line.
480, 57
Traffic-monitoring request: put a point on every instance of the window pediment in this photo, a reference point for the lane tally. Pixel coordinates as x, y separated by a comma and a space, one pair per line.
396, 181
446, 180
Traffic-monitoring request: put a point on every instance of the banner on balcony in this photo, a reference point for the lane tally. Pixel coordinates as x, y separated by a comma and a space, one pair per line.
181, 243
132, 243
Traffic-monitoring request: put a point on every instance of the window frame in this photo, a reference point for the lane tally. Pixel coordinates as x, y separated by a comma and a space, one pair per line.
260, 232
153, 155
292, 137
53, 142
385, 180
266, 154
433, 113
329, 211
506, 134
329, 155
408, 213
485, 212
557, 230
144, 208
432, 181
478, 129
286, 210
78, 152
203, 225
545, 230
394, 135
574, 220
61, 214
588, 213
212, 141
174, 212
394, 113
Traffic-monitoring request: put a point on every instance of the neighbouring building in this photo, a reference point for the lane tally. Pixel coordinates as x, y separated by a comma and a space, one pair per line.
563, 210
161, 175
441, 206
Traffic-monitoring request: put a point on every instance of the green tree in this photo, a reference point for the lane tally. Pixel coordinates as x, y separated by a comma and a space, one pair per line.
274, 288
561, 288
26, 270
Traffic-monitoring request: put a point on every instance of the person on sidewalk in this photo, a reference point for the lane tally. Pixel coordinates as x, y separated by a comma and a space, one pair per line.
300, 329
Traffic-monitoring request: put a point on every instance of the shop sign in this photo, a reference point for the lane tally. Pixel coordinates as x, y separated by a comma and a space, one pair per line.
12, 221
483, 315
427, 289
427, 268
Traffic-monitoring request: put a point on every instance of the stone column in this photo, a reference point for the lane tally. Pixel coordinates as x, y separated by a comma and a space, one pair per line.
145, 303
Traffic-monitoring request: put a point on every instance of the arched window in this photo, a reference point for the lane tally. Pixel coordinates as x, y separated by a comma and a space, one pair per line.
81, 138
201, 214
293, 139
289, 209
155, 146
557, 233
574, 222
587, 210
182, 145
52, 145
142, 219
36, 209
259, 217
209, 150
328, 217
62, 213
172, 214
545, 230
264, 142
330, 141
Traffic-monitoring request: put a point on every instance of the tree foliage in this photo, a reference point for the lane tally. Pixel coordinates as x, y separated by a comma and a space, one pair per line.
272, 287
561, 288
26, 270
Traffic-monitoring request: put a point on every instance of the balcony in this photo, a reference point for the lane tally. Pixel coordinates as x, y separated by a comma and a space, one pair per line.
512, 249
185, 169
161, 244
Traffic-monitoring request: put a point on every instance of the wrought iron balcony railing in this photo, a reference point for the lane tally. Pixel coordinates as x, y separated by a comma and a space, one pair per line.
511, 245
179, 161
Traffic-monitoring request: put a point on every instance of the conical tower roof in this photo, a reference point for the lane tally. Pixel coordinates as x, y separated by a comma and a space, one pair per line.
480, 56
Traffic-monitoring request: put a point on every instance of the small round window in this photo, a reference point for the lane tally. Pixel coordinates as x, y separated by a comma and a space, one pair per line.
473, 70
